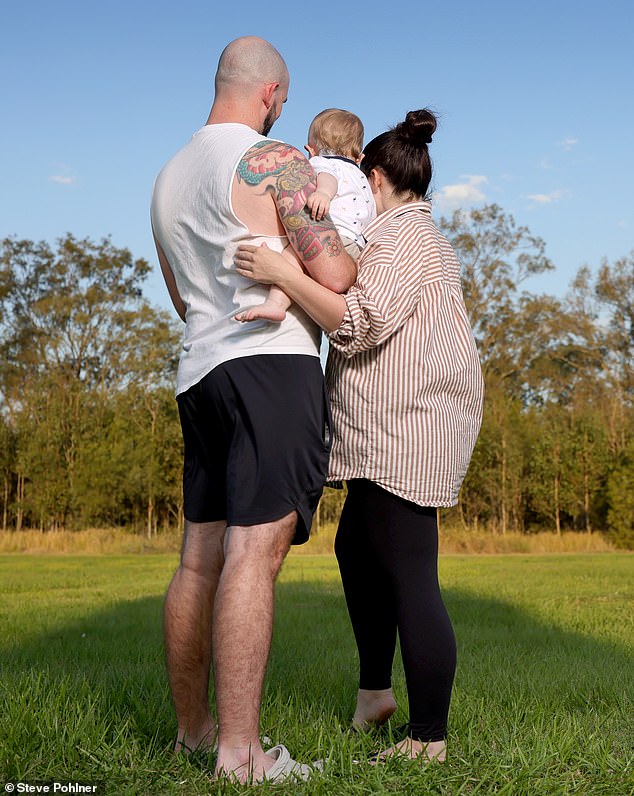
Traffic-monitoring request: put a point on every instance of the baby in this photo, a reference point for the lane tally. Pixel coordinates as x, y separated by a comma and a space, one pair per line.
335, 144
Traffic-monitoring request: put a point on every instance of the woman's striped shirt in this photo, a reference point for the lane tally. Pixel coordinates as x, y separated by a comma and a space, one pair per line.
403, 371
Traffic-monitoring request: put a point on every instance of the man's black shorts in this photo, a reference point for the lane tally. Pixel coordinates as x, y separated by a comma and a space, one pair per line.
257, 441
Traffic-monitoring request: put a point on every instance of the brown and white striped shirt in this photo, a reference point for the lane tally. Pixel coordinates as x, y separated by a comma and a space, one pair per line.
403, 371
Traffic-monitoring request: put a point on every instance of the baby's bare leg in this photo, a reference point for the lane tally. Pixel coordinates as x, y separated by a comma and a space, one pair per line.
275, 306
273, 309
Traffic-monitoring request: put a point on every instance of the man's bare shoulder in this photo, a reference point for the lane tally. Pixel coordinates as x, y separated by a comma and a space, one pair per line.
261, 172
267, 160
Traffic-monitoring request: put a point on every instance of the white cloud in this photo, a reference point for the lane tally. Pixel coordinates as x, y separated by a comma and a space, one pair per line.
62, 180
568, 143
63, 174
547, 198
454, 197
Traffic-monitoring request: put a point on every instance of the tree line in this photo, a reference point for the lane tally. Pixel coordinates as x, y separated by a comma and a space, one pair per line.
89, 431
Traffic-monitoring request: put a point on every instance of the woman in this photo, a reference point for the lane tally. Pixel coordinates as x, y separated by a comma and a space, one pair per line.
406, 392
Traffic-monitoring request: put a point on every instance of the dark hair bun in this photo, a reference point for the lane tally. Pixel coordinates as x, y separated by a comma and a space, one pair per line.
418, 128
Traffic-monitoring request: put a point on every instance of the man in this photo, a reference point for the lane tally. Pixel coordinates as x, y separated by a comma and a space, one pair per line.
251, 400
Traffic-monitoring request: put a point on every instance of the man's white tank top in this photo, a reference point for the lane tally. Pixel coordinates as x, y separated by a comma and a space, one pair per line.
195, 225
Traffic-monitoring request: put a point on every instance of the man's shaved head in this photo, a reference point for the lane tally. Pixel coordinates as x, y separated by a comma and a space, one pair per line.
250, 60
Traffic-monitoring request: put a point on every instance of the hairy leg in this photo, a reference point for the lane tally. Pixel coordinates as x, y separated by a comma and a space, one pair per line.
243, 625
187, 624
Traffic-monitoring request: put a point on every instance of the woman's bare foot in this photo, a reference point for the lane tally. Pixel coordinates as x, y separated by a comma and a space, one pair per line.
373, 708
430, 752
269, 311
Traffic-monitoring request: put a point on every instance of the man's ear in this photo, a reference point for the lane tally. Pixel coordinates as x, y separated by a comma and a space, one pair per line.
268, 92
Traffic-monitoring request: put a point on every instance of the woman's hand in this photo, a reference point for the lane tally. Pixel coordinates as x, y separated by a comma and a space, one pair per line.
261, 264
284, 270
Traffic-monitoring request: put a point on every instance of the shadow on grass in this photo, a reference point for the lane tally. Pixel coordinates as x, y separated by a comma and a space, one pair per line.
503, 653
90, 695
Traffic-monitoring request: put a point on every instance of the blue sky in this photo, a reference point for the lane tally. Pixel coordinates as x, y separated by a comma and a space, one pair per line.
535, 104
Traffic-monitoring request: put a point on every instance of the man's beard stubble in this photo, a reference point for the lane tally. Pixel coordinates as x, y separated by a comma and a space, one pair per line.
268, 122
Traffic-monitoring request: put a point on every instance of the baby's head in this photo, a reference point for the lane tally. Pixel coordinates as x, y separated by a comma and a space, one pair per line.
336, 132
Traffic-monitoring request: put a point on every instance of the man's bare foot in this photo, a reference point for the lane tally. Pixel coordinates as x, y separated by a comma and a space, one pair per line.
373, 708
204, 741
430, 752
243, 765
269, 311
275, 766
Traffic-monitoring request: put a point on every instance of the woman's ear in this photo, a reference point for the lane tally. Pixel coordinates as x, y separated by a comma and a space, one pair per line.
375, 179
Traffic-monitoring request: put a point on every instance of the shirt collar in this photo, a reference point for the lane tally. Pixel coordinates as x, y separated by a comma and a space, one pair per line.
408, 207
340, 157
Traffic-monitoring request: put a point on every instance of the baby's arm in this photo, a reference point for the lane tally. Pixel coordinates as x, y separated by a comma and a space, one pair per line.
318, 202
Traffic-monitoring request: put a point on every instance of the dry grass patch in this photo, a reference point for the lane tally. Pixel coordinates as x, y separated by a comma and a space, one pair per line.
93, 541
113, 541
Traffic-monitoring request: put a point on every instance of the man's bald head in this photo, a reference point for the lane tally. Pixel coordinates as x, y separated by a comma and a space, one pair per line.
250, 60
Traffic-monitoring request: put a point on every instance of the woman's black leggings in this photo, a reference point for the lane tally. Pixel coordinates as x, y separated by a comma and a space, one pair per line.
387, 549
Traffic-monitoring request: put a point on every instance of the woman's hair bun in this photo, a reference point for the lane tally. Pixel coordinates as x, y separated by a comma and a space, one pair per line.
418, 127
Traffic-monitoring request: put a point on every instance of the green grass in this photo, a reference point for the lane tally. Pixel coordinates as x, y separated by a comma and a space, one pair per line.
543, 700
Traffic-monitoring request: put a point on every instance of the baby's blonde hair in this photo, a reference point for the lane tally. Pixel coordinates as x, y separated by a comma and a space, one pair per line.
337, 132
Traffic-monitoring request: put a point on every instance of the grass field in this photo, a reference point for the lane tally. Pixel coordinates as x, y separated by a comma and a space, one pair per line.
543, 701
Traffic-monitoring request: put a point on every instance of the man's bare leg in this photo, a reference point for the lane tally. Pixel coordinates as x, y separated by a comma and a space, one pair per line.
187, 624
243, 625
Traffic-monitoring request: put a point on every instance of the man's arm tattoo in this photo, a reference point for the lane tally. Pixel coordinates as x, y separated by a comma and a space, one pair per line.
309, 237
264, 160
293, 181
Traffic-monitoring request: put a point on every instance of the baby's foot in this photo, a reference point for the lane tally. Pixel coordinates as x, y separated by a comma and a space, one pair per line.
269, 311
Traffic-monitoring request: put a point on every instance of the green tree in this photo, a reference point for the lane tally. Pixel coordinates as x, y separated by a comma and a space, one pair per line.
620, 493
496, 257
7, 467
76, 334
511, 330
614, 290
